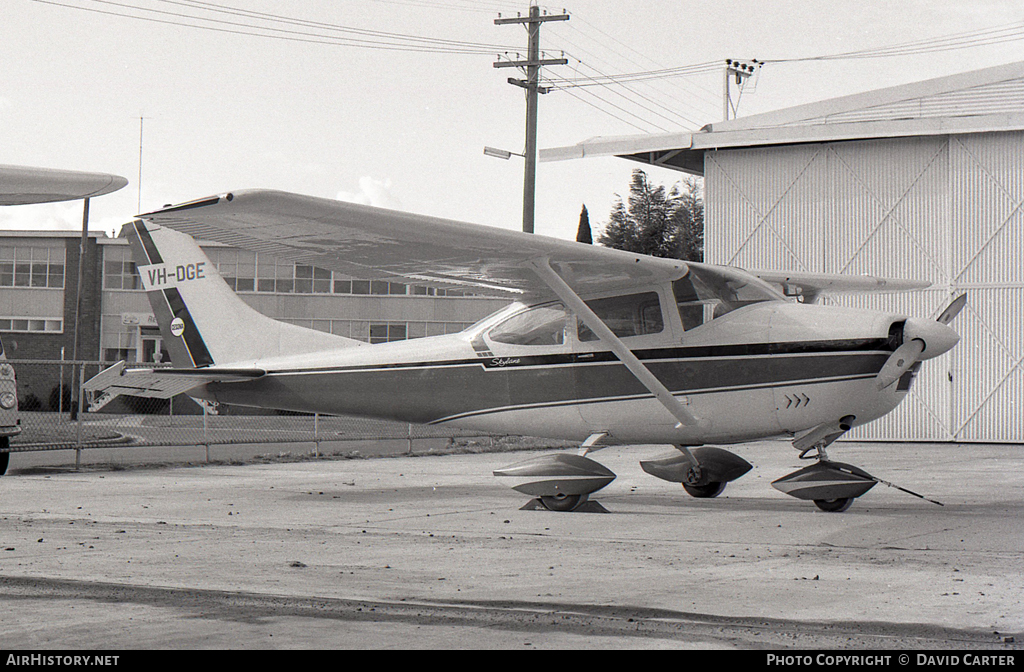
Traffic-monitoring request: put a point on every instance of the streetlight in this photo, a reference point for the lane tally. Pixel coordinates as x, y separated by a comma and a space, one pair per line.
500, 153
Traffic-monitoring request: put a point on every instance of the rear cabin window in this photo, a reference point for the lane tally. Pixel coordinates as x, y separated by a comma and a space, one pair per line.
543, 325
702, 295
627, 315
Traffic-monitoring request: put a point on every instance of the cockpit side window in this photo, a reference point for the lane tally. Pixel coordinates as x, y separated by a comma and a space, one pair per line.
541, 325
627, 315
691, 307
702, 295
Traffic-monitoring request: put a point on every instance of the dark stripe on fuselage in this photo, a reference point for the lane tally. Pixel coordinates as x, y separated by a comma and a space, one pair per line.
647, 395
690, 352
429, 392
193, 339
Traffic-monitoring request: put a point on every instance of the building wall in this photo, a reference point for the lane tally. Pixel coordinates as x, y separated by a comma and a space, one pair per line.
947, 209
38, 285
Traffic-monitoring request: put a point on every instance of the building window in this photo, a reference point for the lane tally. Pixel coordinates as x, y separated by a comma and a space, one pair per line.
312, 280
237, 267
388, 332
119, 355
23, 266
32, 325
119, 271
249, 272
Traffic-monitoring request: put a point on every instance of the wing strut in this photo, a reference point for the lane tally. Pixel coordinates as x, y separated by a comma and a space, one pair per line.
561, 289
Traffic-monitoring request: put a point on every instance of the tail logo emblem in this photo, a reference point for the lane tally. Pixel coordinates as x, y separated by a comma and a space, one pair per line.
177, 326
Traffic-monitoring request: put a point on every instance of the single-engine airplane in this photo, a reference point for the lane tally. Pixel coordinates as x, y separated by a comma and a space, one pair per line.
597, 345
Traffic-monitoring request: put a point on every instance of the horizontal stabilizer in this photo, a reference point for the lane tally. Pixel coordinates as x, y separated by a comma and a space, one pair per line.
164, 383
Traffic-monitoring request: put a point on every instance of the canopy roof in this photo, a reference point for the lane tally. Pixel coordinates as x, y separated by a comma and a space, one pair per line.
980, 101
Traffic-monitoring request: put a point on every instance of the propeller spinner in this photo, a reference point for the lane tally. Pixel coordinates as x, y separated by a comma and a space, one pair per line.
921, 339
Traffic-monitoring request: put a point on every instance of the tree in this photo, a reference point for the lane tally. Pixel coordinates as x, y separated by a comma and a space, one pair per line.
656, 222
583, 232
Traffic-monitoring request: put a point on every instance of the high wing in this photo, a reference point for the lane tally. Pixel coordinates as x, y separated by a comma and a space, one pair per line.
21, 185
373, 243
808, 286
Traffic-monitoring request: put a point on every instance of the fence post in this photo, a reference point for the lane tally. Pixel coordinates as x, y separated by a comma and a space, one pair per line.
410, 438
316, 435
206, 439
81, 407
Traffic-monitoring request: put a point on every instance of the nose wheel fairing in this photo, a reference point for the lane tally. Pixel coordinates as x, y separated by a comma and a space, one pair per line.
832, 486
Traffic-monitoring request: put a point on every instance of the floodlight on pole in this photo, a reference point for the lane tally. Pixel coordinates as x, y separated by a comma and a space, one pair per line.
500, 153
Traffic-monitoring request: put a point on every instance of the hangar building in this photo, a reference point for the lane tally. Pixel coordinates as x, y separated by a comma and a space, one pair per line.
920, 181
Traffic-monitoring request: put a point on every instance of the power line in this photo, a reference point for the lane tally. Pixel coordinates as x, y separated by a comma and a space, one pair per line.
633, 101
384, 41
610, 114
600, 78
483, 7
277, 18
619, 108
710, 93
966, 40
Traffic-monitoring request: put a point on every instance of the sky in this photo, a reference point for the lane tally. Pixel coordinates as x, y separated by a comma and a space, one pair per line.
231, 108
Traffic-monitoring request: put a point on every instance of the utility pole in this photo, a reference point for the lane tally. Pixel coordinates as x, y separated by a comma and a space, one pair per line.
76, 382
533, 64
138, 206
739, 71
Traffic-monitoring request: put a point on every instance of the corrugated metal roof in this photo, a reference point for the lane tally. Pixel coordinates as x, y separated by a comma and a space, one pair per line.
968, 94
989, 100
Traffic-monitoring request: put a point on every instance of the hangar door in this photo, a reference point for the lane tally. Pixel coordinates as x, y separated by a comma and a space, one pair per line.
947, 209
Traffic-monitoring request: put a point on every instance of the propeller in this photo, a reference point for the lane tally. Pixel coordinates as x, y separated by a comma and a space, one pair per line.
921, 339
952, 310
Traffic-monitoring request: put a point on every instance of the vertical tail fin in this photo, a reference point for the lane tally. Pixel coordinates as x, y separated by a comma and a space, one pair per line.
202, 321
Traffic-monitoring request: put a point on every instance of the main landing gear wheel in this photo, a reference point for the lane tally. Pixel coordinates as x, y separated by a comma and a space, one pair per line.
563, 502
712, 489
834, 505
5, 459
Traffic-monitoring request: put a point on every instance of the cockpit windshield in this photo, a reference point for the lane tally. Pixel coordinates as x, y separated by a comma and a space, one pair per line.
704, 294
541, 325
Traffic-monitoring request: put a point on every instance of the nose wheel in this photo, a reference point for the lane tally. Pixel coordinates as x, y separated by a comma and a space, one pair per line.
706, 491
563, 502
834, 505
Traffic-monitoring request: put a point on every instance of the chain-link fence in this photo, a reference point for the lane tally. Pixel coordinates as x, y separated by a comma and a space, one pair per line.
51, 418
